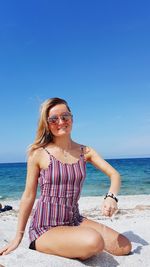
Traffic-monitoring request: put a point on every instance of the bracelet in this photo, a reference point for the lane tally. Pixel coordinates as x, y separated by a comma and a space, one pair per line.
21, 232
112, 196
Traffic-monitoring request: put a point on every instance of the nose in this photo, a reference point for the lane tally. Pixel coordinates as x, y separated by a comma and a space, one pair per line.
60, 120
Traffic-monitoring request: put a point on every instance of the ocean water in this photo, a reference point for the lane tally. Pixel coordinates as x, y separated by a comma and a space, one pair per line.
135, 176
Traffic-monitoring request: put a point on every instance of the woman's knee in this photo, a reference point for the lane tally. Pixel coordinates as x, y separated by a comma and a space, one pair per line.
125, 246
95, 241
94, 244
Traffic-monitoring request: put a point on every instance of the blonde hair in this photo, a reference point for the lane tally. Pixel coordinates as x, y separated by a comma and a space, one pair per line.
43, 134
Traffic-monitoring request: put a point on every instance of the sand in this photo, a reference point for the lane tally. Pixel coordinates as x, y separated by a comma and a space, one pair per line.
132, 219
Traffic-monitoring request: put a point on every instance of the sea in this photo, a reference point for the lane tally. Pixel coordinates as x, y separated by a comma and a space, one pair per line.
135, 177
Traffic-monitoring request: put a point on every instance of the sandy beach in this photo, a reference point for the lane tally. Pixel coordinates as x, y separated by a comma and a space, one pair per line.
132, 219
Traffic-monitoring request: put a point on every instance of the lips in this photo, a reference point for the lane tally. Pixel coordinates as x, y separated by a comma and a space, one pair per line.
62, 128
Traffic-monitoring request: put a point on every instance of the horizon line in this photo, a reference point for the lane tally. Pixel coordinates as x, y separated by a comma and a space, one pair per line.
105, 158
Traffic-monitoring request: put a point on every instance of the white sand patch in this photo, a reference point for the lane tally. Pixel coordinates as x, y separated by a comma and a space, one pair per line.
133, 220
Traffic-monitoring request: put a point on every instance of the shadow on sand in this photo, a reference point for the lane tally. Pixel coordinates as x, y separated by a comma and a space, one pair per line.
136, 239
102, 260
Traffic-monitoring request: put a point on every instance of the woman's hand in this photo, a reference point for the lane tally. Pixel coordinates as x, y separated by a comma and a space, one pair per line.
11, 246
109, 207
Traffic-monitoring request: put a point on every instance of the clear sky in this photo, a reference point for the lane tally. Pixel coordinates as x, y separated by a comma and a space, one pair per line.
94, 54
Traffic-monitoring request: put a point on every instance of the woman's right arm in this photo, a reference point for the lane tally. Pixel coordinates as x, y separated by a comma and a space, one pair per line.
26, 203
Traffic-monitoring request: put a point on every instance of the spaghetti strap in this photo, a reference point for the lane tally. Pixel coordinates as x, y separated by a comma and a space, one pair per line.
82, 150
46, 150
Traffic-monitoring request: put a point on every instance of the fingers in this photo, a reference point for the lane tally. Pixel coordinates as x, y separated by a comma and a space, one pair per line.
8, 248
7, 251
3, 250
109, 207
109, 212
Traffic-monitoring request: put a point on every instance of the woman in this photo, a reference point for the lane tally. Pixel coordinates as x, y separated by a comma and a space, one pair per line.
59, 164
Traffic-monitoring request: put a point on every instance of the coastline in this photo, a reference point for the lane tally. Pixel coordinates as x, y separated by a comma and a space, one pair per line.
132, 219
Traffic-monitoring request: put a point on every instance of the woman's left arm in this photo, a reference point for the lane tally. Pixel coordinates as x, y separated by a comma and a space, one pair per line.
110, 204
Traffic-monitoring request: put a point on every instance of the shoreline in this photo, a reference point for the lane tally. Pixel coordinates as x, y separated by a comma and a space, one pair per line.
132, 219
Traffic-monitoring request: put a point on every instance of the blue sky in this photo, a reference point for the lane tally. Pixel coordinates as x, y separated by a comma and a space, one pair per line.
94, 54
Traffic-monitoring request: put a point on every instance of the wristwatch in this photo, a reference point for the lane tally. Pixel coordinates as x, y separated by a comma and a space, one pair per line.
112, 196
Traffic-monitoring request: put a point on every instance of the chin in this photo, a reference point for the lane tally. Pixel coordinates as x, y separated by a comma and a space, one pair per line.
62, 133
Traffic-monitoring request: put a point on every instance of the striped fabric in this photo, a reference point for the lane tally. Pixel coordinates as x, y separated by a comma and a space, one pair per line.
60, 186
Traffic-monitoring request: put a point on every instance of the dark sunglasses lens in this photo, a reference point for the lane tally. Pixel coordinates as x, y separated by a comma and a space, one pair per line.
53, 120
65, 117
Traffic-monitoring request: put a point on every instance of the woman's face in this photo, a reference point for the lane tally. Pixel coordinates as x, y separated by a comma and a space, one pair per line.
60, 120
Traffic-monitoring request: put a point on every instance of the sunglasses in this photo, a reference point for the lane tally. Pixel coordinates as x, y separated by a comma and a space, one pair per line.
64, 117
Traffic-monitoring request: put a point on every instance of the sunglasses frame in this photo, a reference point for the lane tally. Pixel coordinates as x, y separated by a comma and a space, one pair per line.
62, 117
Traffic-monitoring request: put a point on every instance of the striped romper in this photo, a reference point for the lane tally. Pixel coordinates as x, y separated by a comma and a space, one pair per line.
60, 186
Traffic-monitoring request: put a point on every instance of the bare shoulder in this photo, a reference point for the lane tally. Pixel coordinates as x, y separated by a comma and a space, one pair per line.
78, 147
34, 156
90, 153
33, 171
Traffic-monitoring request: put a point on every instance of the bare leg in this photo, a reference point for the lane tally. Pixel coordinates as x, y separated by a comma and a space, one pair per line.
71, 242
114, 243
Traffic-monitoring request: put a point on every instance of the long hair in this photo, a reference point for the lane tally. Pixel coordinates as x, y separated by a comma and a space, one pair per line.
43, 134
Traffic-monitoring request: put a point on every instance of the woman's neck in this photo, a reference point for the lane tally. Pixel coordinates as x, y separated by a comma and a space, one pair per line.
65, 143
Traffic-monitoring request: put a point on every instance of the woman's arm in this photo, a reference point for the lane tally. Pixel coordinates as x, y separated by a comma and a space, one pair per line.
110, 204
26, 203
